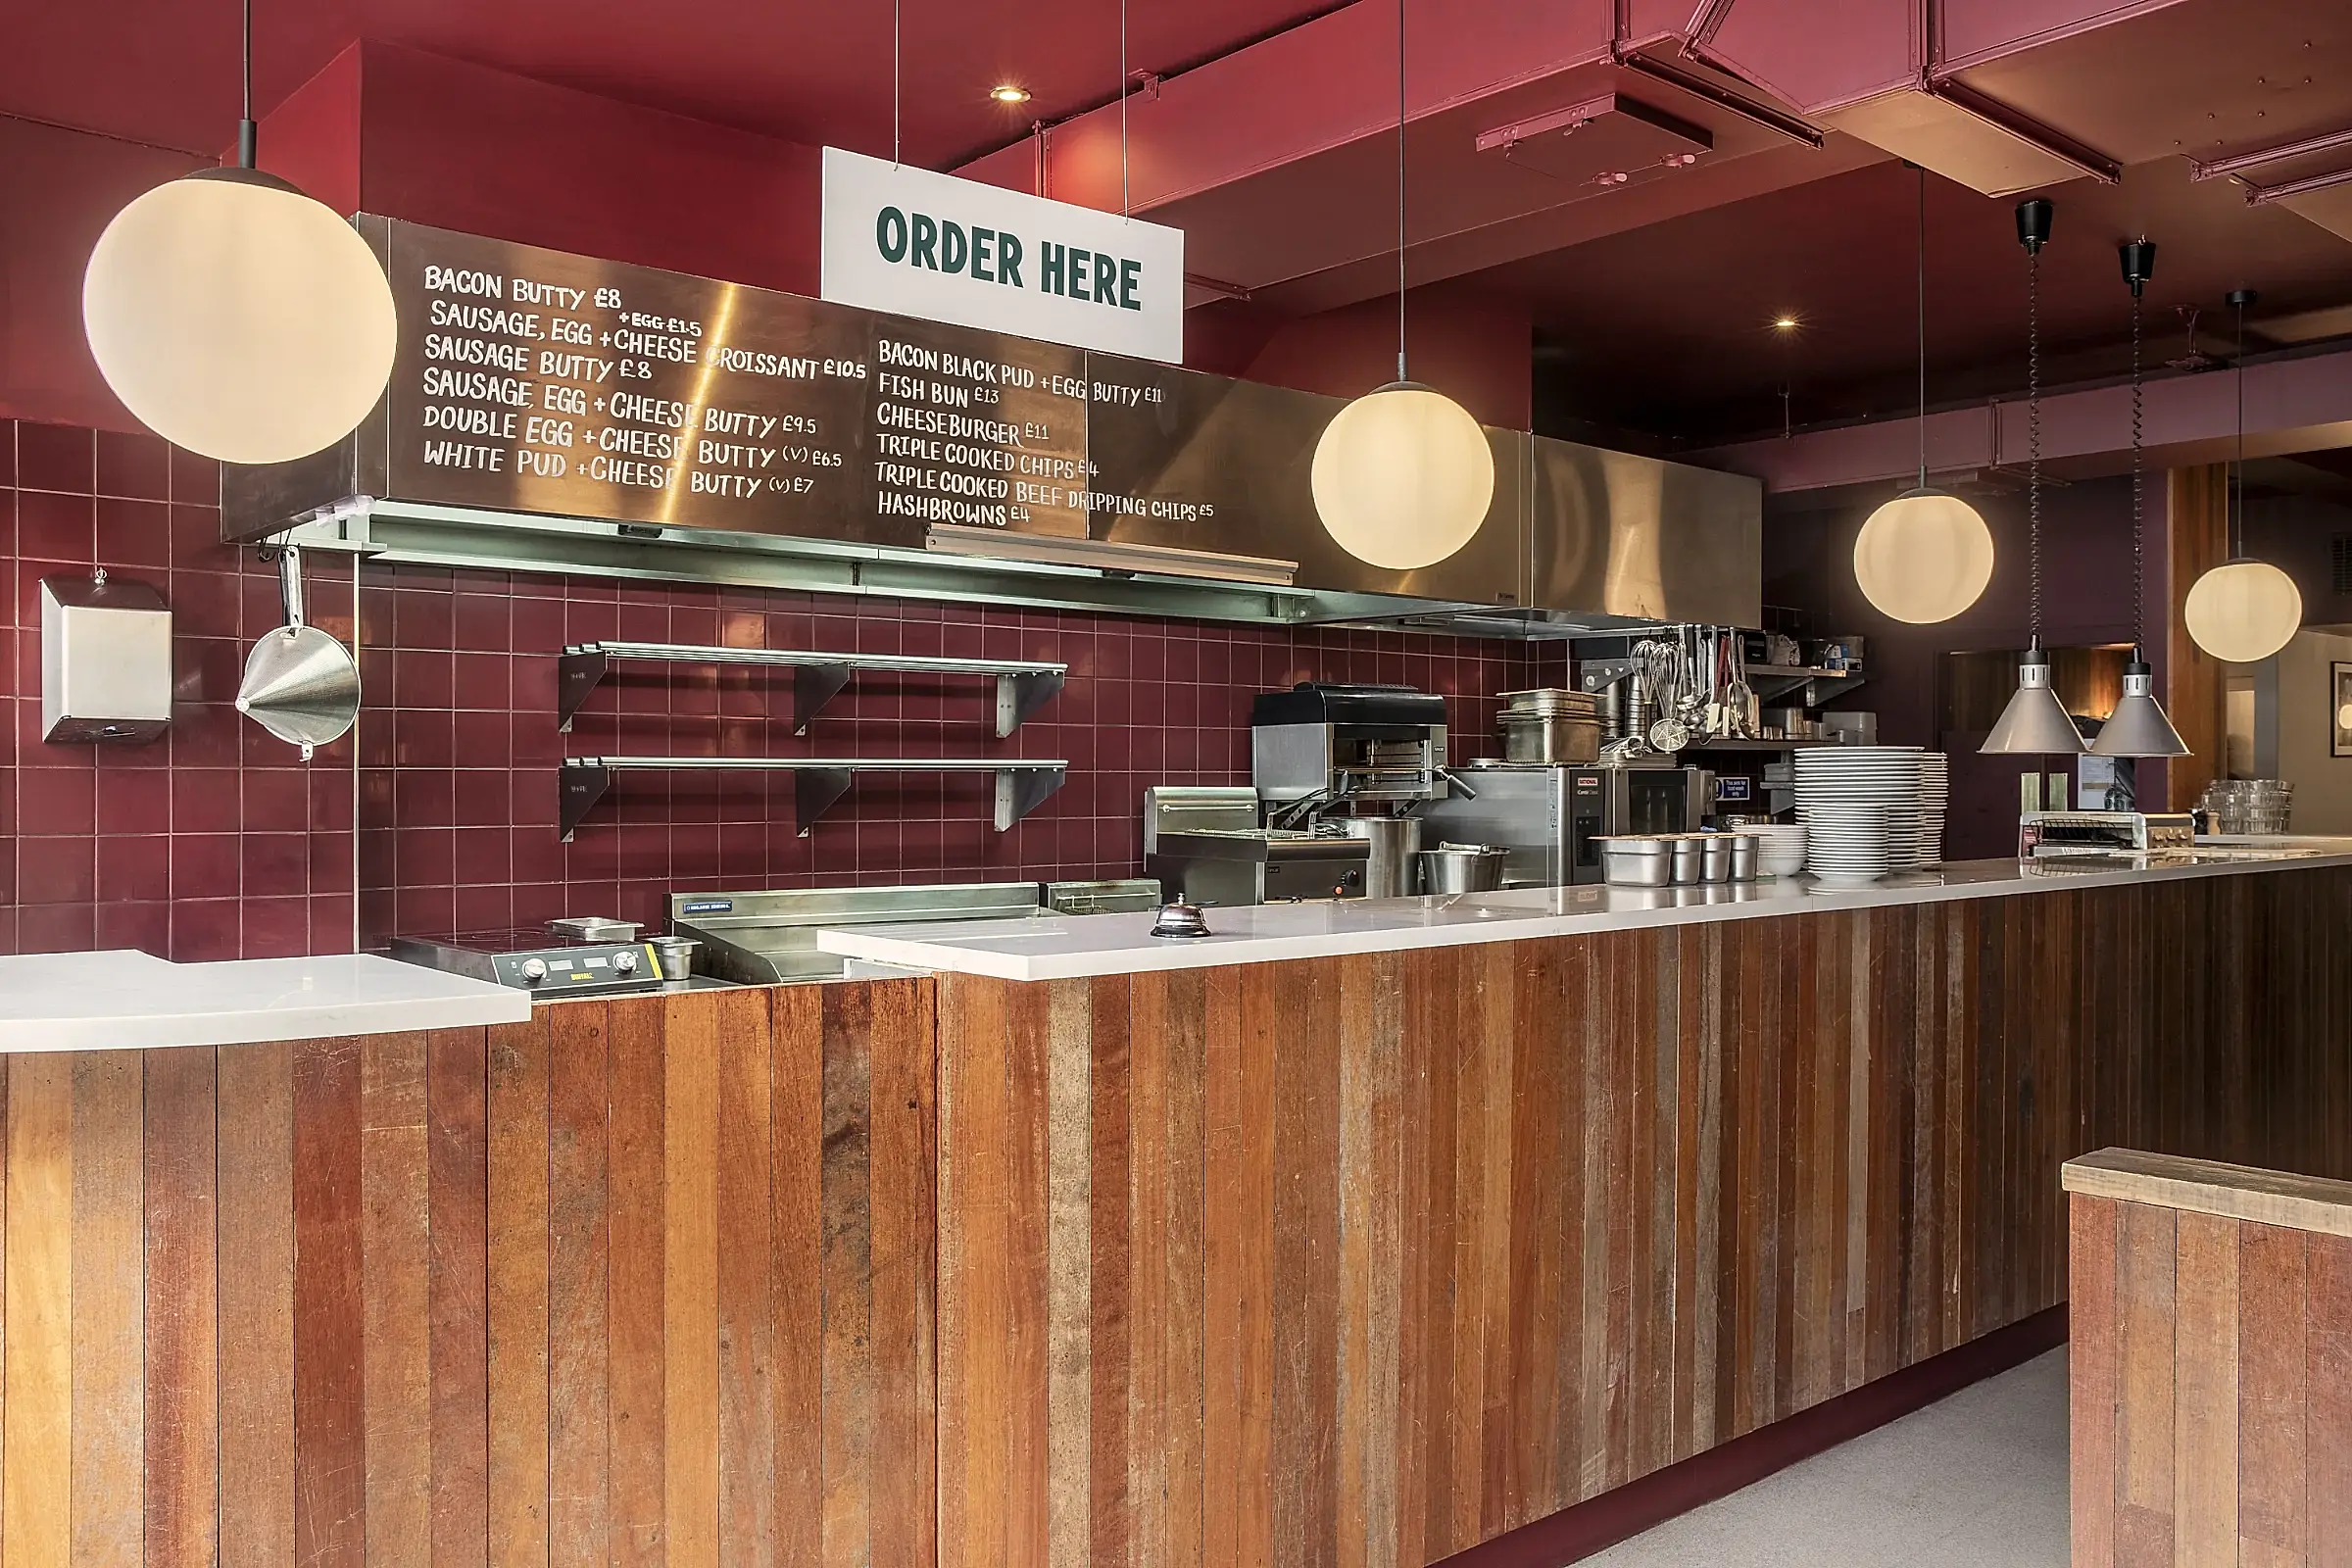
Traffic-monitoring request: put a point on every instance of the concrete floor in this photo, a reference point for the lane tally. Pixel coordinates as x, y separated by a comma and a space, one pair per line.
1978, 1480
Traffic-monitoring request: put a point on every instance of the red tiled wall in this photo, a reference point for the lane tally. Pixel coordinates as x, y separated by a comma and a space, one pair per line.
213, 842
458, 765
217, 841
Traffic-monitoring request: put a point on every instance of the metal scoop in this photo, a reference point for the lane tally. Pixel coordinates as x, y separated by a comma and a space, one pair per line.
300, 684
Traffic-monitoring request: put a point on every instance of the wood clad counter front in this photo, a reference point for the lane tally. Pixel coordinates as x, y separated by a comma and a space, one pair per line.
1360, 1260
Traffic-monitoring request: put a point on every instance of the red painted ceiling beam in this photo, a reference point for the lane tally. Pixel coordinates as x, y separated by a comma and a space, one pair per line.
2302, 403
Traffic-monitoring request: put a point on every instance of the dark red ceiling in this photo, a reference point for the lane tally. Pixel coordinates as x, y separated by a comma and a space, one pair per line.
165, 72
1669, 327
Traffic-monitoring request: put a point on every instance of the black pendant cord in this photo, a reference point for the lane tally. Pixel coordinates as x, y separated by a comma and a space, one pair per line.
2033, 431
1126, 197
1922, 328
2139, 613
248, 131
897, 89
2237, 507
1400, 375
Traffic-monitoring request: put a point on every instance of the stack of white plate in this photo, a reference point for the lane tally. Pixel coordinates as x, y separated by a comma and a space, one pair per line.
1935, 799
1779, 847
1862, 810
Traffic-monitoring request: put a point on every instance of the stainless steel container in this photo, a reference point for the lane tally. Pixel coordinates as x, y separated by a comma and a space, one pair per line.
1744, 850
1689, 861
1392, 863
1715, 859
1549, 738
1637, 860
676, 954
1462, 867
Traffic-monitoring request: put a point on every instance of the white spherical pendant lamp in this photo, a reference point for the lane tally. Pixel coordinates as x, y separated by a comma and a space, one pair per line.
1402, 478
1926, 554
239, 319
1924, 557
2243, 611
234, 316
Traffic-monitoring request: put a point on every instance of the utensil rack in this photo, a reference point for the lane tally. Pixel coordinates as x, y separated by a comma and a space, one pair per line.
1022, 784
1023, 686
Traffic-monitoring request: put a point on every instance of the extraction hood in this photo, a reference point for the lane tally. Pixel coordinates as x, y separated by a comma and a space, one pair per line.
551, 412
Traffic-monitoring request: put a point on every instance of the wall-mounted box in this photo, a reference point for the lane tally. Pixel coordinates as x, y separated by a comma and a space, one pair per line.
106, 661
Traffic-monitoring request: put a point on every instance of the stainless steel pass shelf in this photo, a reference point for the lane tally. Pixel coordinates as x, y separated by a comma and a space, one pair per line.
1023, 686
1776, 682
1022, 783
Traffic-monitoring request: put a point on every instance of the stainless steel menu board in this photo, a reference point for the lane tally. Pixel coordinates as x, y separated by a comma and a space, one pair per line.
532, 380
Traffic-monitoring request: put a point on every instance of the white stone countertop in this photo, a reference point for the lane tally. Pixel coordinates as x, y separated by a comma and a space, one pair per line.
128, 1000
1078, 946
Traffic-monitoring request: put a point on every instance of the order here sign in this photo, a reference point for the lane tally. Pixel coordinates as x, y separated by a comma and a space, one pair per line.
912, 243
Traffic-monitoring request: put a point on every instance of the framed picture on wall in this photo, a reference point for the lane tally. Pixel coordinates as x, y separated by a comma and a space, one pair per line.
2339, 710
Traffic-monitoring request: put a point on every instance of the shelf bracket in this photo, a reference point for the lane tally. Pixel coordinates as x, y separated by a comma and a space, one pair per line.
579, 789
578, 673
816, 791
1022, 790
1019, 696
812, 687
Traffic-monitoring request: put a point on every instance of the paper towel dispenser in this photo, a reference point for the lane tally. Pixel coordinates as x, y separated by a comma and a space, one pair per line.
106, 661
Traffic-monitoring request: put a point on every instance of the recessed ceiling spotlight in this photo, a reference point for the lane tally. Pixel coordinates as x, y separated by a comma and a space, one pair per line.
1786, 322
1009, 94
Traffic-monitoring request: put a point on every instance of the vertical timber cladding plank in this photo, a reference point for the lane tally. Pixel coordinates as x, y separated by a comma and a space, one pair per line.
1878, 1195
518, 1238
2328, 1389
330, 1502
2205, 1470
37, 1423
1307, 1265
1485, 1366
1223, 1294
106, 1429
1776, 1354
635, 1264
182, 1376
746, 1410
1656, 1022
2272, 1309
1537, 1185
845, 1176
1263, 1037
1813, 1337
396, 1267
1186, 1456
577, 1262
690, 1280
1435, 1396
1956, 1215
1147, 1204
2092, 1386
1704, 1027
255, 1168
796, 1230
1109, 1510
1069, 1270
1369, 999
456, 1138
904, 1244
1416, 1051
973, 1309
1689, 1039
2144, 1287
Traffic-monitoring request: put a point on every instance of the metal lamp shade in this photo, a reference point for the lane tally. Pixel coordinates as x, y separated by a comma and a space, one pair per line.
2138, 726
2035, 722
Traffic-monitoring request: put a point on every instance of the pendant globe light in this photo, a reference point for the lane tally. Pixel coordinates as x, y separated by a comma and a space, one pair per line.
2243, 611
1403, 476
2138, 726
234, 316
2034, 722
1926, 556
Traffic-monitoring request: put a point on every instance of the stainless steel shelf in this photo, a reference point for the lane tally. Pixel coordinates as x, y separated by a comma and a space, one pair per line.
1771, 681
1022, 783
1704, 744
1023, 686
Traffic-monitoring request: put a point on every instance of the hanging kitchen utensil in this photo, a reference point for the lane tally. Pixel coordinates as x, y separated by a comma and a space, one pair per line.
300, 684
